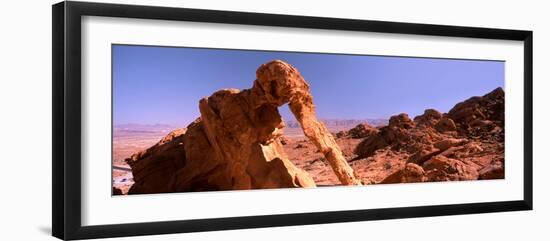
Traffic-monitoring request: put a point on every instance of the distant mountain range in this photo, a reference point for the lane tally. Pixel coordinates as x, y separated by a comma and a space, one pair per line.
141, 126
293, 129
336, 123
136, 129
330, 123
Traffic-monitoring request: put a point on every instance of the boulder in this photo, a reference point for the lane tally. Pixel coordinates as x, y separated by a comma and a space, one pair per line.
495, 170
368, 146
401, 121
423, 155
411, 173
362, 131
441, 168
445, 124
401, 134
445, 144
429, 118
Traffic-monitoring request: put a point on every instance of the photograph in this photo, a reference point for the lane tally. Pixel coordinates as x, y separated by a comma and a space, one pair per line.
275, 121
187, 119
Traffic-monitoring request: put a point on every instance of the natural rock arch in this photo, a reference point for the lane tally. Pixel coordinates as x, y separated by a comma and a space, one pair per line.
281, 83
236, 142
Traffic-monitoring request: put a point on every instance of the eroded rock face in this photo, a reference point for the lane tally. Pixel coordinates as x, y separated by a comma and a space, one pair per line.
154, 169
400, 134
480, 114
244, 132
411, 173
465, 144
429, 118
236, 143
493, 171
445, 124
441, 168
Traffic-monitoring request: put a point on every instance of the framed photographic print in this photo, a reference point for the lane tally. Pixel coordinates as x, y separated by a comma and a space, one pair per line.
169, 120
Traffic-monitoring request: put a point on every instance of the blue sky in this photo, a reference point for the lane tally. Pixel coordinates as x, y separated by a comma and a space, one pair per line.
163, 85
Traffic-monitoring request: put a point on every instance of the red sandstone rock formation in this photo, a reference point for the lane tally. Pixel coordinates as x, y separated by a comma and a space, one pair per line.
360, 131
236, 144
154, 169
432, 147
465, 144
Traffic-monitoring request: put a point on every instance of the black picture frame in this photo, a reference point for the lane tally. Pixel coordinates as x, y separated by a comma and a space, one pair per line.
66, 75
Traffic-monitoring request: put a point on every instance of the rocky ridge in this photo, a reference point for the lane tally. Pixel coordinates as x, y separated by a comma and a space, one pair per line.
465, 144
